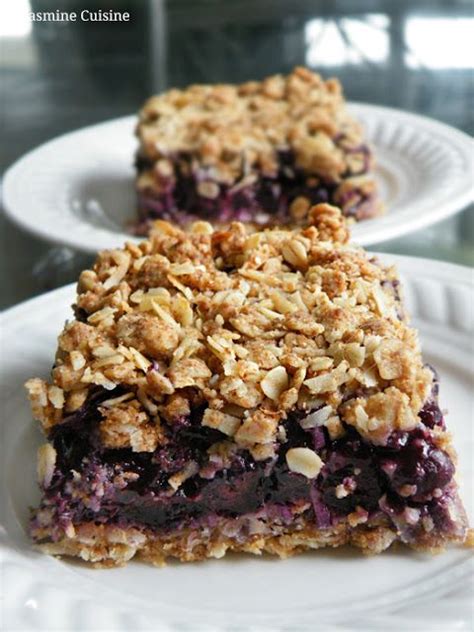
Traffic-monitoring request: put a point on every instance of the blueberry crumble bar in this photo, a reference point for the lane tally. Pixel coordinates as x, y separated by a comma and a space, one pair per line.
261, 152
222, 390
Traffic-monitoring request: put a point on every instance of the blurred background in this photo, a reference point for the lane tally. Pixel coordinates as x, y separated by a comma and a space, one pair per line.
58, 76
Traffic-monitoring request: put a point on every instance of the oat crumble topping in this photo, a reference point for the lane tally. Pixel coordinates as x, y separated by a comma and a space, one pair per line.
260, 152
233, 129
250, 324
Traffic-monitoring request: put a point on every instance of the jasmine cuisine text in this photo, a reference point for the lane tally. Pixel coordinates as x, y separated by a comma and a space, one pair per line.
84, 16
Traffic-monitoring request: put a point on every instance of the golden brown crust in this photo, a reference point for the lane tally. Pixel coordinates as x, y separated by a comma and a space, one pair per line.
236, 132
112, 546
250, 325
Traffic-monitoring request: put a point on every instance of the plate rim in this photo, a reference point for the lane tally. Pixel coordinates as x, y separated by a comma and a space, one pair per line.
454, 205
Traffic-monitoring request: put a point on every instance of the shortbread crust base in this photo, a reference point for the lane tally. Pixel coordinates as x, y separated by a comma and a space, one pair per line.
106, 545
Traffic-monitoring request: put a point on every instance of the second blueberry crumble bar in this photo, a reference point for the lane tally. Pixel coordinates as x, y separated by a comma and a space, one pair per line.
224, 391
260, 152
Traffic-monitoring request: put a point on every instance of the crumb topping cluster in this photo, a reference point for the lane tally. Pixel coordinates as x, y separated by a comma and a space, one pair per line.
236, 132
248, 325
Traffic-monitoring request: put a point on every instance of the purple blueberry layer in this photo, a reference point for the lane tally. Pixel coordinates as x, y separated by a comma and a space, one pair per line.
264, 200
409, 480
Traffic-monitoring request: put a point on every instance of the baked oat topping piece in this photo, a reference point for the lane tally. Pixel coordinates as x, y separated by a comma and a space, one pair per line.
261, 152
269, 376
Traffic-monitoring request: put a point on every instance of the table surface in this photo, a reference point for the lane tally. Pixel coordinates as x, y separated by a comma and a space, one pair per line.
58, 76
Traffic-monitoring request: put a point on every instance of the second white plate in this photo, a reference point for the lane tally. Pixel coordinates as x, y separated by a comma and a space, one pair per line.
78, 189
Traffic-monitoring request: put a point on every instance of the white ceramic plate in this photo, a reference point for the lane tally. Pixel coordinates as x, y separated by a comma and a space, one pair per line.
326, 590
78, 190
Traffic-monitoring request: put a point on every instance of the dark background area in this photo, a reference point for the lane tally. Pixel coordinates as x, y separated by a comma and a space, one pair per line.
56, 77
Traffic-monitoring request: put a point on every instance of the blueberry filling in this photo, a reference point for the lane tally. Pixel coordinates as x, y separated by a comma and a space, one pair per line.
262, 200
408, 481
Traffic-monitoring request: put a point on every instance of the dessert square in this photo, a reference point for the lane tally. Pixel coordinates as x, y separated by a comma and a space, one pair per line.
228, 390
261, 152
